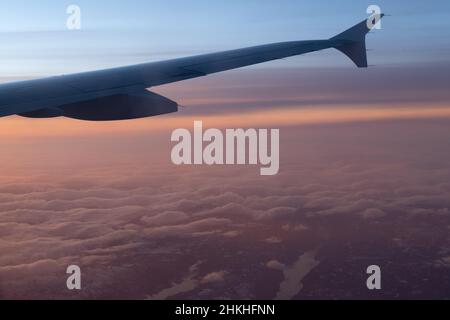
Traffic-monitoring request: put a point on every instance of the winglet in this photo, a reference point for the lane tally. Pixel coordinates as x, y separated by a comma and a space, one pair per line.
352, 42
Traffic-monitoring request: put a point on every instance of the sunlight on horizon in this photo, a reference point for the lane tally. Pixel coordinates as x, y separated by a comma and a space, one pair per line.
16, 127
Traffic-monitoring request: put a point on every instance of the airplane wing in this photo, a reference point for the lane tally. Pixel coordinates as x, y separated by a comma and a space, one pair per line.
121, 93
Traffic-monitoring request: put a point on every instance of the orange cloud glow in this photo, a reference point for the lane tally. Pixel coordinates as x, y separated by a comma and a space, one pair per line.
16, 127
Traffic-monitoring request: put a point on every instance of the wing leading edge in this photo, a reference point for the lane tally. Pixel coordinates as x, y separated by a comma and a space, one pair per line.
120, 93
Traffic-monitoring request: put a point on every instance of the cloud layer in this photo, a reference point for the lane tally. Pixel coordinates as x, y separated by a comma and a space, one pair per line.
123, 223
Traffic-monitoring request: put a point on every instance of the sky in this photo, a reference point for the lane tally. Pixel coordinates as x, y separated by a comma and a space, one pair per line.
364, 173
37, 42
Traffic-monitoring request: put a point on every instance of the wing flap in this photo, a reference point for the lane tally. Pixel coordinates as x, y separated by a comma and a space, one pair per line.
111, 108
121, 107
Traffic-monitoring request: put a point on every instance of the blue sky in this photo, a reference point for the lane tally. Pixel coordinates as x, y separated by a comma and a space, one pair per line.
36, 41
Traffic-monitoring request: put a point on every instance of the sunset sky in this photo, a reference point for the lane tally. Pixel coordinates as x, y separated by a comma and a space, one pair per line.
412, 45
365, 160
117, 33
